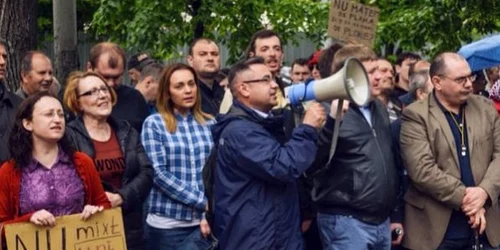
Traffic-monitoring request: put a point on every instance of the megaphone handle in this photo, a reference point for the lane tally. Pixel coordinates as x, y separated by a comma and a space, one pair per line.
336, 130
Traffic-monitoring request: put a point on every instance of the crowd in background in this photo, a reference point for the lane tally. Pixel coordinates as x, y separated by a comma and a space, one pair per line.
200, 157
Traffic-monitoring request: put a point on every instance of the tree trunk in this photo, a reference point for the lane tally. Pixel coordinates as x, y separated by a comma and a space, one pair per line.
65, 38
199, 27
18, 27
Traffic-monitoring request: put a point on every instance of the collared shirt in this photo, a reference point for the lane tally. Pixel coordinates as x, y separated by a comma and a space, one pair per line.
260, 113
178, 159
58, 190
367, 114
211, 98
458, 226
391, 109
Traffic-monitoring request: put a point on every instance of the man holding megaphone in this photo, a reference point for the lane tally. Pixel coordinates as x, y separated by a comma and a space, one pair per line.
255, 191
355, 186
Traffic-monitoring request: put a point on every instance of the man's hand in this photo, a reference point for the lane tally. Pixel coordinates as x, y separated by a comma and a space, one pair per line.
474, 200
478, 221
306, 225
315, 115
334, 106
116, 200
204, 228
398, 240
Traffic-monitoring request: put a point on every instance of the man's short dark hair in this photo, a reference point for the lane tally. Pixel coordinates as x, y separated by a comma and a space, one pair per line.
480, 77
241, 66
360, 52
299, 61
438, 65
195, 41
154, 70
411, 69
261, 34
27, 60
407, 55
326, 59
115, 54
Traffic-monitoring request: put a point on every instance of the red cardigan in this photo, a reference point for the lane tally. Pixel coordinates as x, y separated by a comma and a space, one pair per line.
10, 187
497, 106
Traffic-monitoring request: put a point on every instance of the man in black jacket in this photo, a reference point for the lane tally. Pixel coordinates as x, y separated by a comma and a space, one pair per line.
8, 106
357, 190
205, 59
108, 59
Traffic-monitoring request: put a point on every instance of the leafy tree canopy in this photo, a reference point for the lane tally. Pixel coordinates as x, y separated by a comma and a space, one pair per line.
162, 26
428, 26
433, 26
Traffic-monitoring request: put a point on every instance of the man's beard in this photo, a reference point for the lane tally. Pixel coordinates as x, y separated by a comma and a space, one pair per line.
387, 87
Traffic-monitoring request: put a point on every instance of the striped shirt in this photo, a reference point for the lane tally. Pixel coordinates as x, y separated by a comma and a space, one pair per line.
178, 159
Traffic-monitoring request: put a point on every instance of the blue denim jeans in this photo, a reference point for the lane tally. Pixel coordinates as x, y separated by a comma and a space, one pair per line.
339, 232
188, 238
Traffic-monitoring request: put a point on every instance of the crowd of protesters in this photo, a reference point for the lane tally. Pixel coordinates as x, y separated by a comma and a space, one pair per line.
200, 157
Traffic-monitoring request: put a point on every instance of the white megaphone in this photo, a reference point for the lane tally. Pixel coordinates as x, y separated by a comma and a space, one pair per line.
350, 83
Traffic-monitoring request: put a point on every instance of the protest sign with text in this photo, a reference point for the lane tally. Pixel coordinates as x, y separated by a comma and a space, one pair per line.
353, 22
103, 231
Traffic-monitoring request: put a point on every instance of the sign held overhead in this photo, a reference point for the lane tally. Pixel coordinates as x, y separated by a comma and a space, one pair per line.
353, 22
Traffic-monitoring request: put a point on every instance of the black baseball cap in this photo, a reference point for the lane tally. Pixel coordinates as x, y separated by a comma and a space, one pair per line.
138, 61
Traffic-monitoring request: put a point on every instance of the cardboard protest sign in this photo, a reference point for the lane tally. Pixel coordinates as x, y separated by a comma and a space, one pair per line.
103, 231
353, 22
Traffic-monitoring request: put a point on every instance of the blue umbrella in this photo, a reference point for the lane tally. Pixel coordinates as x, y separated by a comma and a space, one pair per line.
482, 54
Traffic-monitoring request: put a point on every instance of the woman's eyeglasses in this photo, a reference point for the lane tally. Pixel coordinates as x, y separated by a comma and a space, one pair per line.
95, 91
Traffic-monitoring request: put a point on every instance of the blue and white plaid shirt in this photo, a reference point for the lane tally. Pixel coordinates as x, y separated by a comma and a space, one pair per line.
178, 161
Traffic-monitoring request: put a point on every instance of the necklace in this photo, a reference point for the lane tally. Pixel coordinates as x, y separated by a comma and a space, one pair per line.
461, 129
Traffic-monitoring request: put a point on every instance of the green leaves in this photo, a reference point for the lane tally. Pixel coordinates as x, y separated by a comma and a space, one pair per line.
433, 26
164, 26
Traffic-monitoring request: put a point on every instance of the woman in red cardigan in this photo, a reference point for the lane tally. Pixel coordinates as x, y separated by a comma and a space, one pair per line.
45, 178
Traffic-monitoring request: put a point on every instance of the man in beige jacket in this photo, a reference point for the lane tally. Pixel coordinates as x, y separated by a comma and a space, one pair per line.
450, 145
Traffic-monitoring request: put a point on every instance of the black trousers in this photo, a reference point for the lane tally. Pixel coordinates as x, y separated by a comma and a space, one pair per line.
465, 244
312, 241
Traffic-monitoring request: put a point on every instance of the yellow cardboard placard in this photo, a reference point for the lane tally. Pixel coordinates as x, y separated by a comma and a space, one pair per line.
103, 231
353, 22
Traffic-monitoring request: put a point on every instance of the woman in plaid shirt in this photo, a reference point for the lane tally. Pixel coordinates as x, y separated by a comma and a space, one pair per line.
178, 141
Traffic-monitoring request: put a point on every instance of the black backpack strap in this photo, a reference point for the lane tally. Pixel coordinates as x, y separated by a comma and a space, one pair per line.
208, 174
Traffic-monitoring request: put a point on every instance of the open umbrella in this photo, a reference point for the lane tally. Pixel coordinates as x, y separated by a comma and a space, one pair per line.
482, 54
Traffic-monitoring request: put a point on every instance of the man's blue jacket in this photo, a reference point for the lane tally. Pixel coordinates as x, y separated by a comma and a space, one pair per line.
255, 191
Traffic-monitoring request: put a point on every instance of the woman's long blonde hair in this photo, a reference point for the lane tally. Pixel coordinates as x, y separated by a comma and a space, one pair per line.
164, 102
